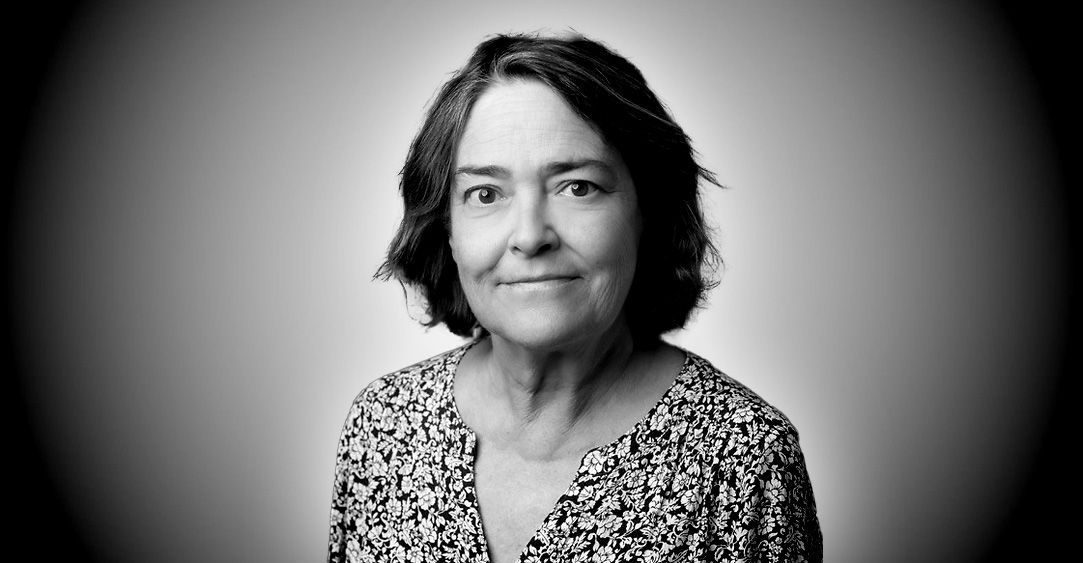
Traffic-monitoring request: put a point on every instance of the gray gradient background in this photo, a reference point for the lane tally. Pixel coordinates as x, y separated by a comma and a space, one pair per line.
214, 185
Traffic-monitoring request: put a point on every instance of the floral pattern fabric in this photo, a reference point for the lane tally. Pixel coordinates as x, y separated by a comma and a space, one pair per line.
711, 473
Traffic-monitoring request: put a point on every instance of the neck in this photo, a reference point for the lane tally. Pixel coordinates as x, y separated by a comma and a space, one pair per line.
555, 388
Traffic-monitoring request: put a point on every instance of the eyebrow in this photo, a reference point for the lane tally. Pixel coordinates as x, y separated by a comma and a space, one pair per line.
552, 168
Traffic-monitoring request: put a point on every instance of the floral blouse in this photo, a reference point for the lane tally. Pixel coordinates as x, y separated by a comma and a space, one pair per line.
711, 473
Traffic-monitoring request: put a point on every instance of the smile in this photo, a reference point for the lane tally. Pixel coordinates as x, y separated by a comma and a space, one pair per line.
540, 283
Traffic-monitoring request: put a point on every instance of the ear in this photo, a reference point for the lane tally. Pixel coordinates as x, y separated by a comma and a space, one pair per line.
451, 244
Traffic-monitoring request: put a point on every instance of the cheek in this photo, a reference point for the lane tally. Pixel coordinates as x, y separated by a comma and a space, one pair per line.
473, 252
616, 250
621, 239
461, 256
456, 237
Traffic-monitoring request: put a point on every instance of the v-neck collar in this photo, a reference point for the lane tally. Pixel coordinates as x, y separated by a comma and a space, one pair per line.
596, 461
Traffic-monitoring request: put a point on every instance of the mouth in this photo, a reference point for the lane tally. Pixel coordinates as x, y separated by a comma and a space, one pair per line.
540, 282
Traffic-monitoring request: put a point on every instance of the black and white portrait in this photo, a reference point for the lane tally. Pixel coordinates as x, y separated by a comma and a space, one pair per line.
763, 279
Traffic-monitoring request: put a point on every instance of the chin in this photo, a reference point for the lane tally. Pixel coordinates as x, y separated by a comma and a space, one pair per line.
548, 332
534, 337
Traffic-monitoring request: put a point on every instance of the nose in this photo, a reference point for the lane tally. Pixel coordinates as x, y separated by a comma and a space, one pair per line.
532, 233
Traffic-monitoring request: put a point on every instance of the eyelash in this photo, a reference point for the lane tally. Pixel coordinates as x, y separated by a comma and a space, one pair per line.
469, 196
591, 187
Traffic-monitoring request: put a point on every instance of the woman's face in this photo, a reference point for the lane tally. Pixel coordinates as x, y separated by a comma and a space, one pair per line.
544, 220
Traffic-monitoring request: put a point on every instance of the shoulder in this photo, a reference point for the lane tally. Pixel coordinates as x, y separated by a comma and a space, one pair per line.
731, 414
760, 487
410, 390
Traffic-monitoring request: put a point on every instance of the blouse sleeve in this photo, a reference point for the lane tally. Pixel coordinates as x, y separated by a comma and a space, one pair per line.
767, 512
788, 528
341, 521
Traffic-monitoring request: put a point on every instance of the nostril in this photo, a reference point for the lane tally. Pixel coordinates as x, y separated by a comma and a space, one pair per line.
534, 245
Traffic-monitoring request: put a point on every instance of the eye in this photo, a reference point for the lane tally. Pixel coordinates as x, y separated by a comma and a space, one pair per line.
481, 196
579, 188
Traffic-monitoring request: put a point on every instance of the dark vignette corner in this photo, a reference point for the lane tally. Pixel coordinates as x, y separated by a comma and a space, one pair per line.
1040, 524
41, 525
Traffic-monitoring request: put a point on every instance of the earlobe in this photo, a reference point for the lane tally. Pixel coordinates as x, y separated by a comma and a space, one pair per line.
450, 239
451, 247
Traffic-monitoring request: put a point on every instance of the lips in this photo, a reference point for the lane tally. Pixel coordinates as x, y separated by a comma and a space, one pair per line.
544, 280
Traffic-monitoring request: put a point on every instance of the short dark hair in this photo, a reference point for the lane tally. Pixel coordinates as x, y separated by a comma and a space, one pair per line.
607, 91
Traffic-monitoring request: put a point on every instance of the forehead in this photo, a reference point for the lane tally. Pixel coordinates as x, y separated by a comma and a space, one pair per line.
525, 122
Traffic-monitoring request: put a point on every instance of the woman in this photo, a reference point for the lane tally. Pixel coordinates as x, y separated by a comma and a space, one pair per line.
552, 218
